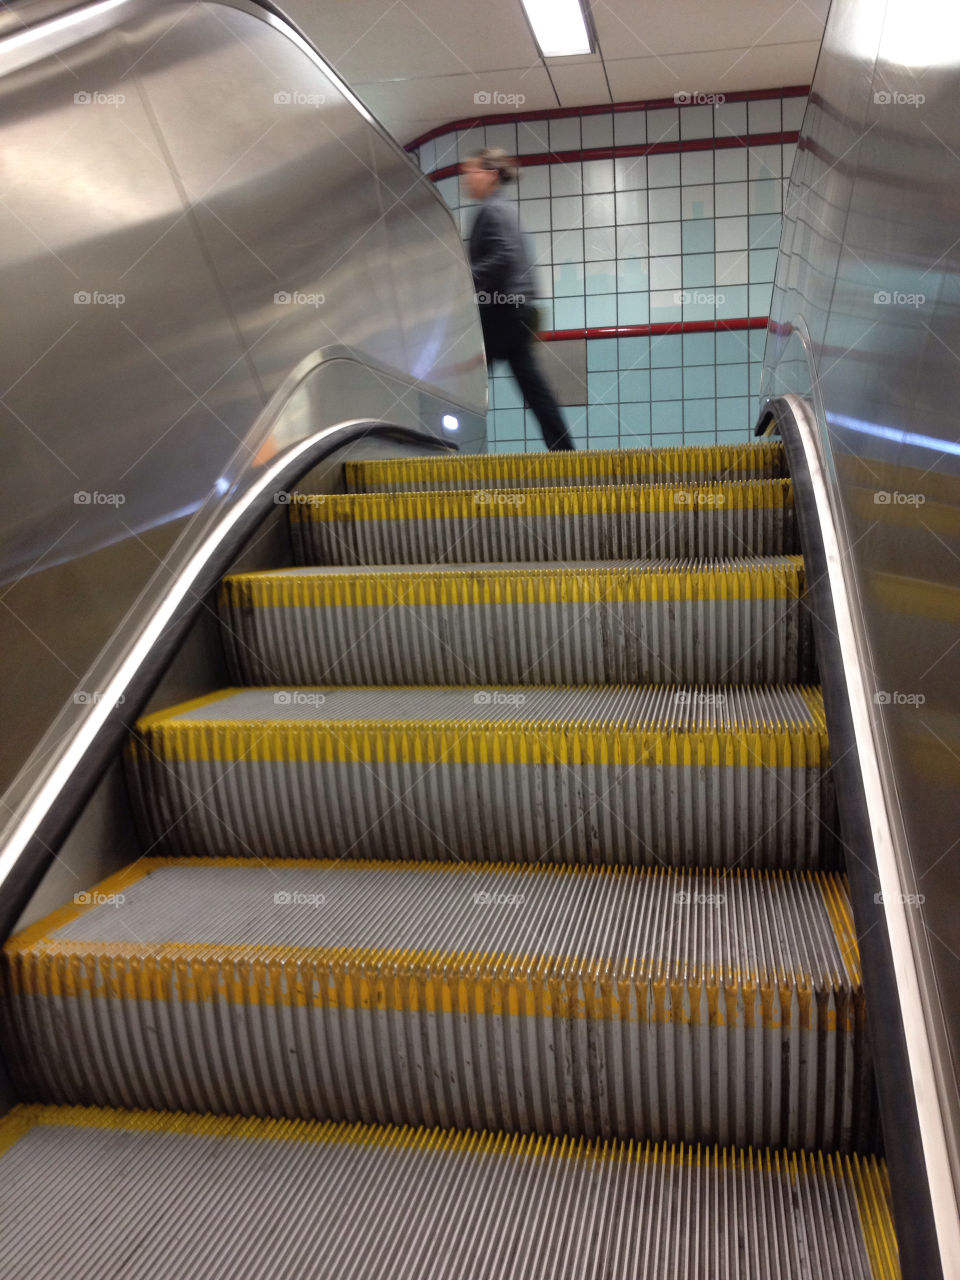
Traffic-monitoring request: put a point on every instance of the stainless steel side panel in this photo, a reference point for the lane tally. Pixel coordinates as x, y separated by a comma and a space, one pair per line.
867, 318
191, 207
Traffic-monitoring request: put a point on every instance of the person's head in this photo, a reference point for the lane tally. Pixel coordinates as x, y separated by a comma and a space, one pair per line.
484, 172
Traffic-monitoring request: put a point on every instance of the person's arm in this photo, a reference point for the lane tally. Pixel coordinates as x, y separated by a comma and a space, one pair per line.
491, 269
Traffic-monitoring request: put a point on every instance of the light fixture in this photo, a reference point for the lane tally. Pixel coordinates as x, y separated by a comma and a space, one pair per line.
450, 423
559, 27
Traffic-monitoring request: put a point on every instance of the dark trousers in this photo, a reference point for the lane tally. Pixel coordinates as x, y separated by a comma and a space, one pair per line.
508, 335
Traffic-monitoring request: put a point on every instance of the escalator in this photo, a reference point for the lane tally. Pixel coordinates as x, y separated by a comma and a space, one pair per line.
492, 923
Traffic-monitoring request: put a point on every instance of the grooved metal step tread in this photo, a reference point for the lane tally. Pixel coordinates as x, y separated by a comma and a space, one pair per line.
593, 466
737, 621
601, 522
147, 1195
614, 774
681, 1005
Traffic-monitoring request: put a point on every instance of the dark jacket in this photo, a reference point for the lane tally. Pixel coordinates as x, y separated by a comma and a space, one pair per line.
502, 274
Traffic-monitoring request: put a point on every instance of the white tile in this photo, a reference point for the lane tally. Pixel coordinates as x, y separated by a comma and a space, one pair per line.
630, 173
731, 233
567, 211
535, 215
532, 137
696, 202
696, 122
470, 141
597, 176
666, 273
599, 243
596, 131
765, 162
565, 179
633, 241
764, 116
733, 268
503, 136
663, 171
599, 211
730, 118
730, 164
696, 166
631, 207
793, 109
568, 246
534, 181
565, 134
664, 238
730, 199
629, 128
663, 125
664, 204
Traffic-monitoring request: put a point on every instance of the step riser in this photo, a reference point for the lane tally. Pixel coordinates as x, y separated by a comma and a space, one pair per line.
712, 815
522, 535
752, 641
804, 1087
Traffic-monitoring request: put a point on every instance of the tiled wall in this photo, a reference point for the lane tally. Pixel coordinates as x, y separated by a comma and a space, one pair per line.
644, 240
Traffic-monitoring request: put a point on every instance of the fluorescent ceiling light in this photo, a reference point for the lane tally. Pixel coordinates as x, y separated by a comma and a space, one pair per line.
559, 27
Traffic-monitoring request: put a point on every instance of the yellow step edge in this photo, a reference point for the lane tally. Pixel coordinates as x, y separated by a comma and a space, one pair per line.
466, 742
619, 462
570, 500
495, 587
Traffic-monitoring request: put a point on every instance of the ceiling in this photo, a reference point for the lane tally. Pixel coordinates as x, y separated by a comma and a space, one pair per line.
418, 63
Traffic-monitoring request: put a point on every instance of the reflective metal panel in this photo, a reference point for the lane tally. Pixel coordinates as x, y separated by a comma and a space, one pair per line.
867, 319
192, 207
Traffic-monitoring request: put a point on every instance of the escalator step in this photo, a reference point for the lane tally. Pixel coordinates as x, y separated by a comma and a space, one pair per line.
718, 1007
594, 466
142, 1194
715, 775
617, 522
736, 621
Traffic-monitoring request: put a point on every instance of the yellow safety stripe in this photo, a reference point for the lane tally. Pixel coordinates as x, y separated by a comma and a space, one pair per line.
404, 979
871, 1186
531, 742
570, 501
495, 586
820, 1165
619, 465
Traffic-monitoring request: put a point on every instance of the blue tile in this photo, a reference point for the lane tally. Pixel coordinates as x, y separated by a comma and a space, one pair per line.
733, 379
699, 382
601, 310
634, 386
665, 306
633, 275
763, 264
699, 348
666, 384
601, 353
575, 416
666, 351
757, 343
569, 313
700, 417
698, 236
734, 302
733, 347
603, 387
633, 308
603, 420
508, 394
634, 421
765, 230
508, 424
699, 271
568, 280
634, 353
667, 416
668, 440
761, 295
600, 277
605, 443
733, 412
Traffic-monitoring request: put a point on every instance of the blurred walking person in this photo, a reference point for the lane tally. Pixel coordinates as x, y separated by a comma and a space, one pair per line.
503, 279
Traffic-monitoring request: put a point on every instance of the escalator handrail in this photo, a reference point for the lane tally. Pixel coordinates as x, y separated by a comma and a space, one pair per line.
917, 1138
34, 835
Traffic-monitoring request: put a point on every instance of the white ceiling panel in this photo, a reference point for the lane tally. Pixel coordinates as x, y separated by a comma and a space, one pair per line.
578, 84
420, 63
